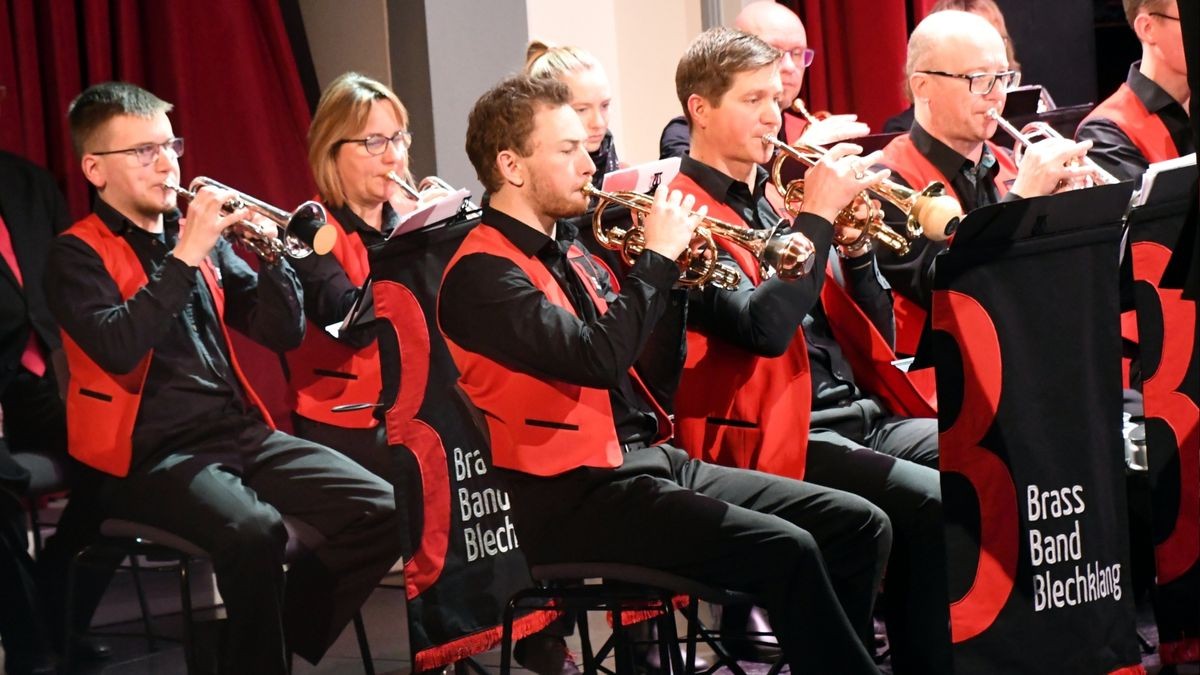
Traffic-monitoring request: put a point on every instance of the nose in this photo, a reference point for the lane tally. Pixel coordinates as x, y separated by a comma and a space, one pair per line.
589, 167
165, 159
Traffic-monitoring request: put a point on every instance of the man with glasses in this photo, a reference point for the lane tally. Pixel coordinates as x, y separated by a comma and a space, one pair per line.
1144, 121
958, 70
779, 27
158, 403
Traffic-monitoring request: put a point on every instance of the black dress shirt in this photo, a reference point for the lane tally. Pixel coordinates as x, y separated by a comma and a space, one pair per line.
190, 384
764, 319
911, 275
489, 306
328, 291
1113, 150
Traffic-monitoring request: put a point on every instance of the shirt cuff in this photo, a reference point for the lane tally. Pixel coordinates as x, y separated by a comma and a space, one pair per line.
816, 228
656, 269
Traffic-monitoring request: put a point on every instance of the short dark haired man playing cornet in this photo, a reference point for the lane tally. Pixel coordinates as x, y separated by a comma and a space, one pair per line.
548, 350
758, 353
157, 400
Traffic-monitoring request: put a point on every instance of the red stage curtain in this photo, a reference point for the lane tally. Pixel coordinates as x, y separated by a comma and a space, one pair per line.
859, 66
227, 67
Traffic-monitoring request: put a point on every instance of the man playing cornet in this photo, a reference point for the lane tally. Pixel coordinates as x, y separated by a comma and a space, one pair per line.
157, 401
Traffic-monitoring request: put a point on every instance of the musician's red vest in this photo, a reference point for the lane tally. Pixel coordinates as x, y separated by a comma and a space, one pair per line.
1144, 128
324, 373
903, 158
542, 427
735, 407
102, 407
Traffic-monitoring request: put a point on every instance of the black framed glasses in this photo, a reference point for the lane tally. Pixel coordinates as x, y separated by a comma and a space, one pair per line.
377, 143
983, 83
1163, 16
801, 57
146, 153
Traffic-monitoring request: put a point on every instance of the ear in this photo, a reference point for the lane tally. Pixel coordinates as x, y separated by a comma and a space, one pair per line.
511, 167
918, 84
698, 110
1143, 27
93, 171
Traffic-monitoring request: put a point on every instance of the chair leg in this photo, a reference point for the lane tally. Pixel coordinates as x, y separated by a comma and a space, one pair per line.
189, 632
147, 617
69, 614
35, 526
668, 641
506, 637
585, 643
623, 650
364, 648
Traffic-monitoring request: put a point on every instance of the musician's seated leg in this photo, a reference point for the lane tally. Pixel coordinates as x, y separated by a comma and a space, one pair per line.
816, 554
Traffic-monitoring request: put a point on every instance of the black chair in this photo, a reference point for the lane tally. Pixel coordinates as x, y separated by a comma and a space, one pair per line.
628, 588
135, 539
47, 475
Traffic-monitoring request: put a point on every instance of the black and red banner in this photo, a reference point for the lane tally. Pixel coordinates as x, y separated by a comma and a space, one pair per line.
468, 561
1170, 368
1026, 345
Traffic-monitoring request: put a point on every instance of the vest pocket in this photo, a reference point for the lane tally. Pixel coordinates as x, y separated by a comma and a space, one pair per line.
100, 396
551, 425
334, 373
726, 422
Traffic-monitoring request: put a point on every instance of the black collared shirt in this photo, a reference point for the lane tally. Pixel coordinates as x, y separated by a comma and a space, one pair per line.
911, 275
489, 306
328, 291
1114, 151
764, 319
190, 384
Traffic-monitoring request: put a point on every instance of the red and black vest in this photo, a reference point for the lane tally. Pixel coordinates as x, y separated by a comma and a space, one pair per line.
538, 426
324, 373
1145, 129
734, 407
905, 160
102, 407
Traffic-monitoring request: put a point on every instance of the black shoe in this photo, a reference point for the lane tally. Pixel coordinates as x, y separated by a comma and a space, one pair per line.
31, 664
545, 655
760, 646
90, 650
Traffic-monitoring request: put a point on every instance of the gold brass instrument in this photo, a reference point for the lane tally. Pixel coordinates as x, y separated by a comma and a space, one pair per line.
1035, 131
930, 212
302, 232
788, 255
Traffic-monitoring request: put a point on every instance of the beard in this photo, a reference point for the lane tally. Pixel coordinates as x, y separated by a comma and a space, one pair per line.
551, 202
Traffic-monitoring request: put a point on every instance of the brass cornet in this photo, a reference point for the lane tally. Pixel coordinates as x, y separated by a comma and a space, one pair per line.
930, 212
1035, 131
302, 232
788, 255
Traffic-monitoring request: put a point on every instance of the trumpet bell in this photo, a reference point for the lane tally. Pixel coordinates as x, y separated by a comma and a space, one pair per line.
309, 224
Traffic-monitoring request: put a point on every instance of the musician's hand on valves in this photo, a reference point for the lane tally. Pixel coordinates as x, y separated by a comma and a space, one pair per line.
205, 223
834, 129
670, 225
835, 180
849, 239
1051, 165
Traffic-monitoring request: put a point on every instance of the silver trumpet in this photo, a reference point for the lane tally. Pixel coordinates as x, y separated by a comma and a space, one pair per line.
303, 231
1036, 131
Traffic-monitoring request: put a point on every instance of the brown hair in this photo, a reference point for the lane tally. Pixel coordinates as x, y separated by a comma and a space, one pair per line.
502, 119
543, 60
1135, 7
713, 59
99, 103
343, 110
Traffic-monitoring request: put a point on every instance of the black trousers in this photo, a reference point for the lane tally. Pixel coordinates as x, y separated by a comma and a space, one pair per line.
34, 419
395, 464
868, 455
226, 492
812, 556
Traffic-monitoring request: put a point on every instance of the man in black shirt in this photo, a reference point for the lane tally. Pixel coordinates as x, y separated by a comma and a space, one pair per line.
729, 86
157, 400
547, 348
1145, 121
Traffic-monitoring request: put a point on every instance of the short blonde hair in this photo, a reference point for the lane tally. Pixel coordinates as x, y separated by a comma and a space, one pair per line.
343, 110
544, 60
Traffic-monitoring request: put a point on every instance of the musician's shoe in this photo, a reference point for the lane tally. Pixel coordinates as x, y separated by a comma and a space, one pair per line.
90, 650
545, 655
760, 646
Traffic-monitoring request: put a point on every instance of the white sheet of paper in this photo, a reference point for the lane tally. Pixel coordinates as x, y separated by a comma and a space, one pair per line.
432, 212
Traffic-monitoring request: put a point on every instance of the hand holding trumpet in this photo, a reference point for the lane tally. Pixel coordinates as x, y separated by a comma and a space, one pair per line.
1053, 165
205, 223
838, 178
671, 223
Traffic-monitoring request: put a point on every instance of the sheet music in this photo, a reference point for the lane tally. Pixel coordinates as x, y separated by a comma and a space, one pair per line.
433, 212
1143, 194
362, 311
643, 177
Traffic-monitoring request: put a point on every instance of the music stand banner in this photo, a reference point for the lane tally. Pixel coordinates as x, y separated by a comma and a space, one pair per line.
1170, 366
1026, 345
469, 560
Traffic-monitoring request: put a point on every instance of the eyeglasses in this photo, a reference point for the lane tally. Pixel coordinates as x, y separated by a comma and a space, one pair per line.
983, 83
801, 57
1163, 16
377, 143
146, 153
